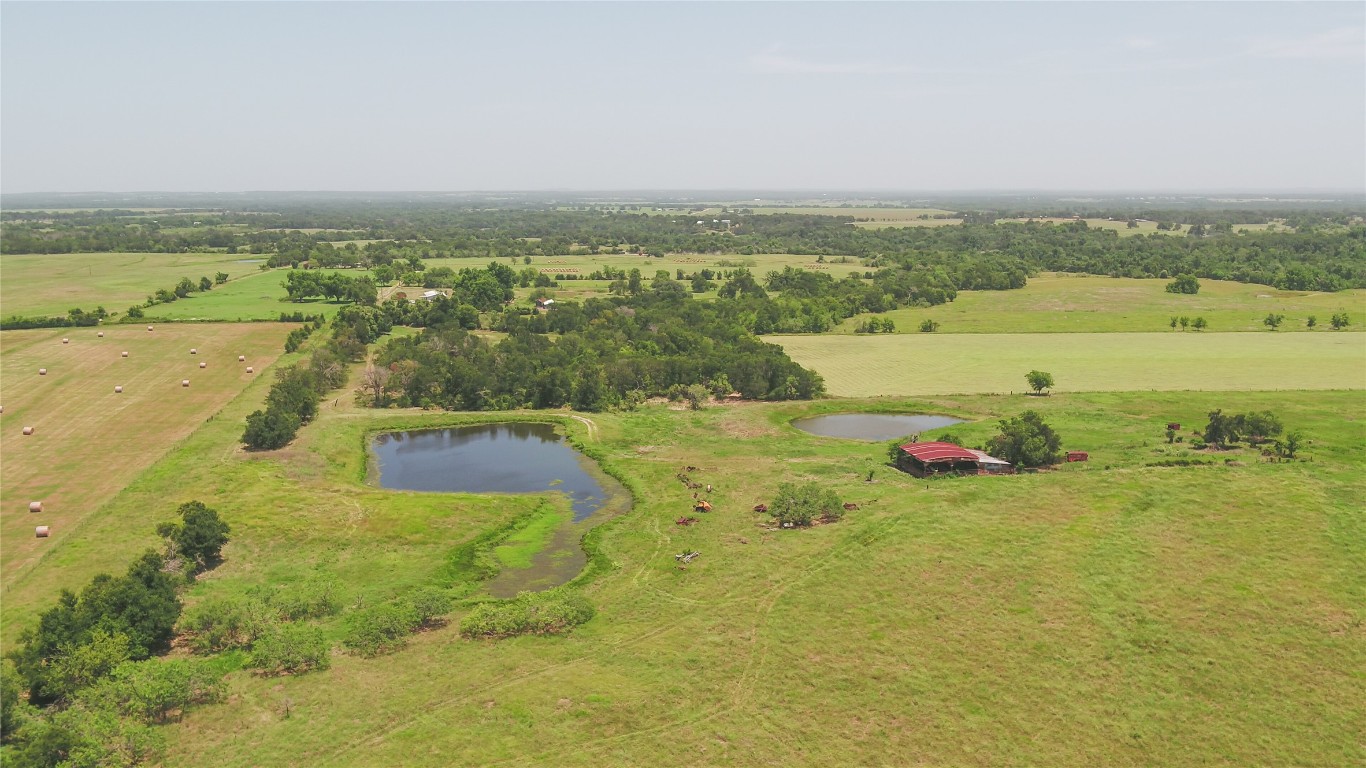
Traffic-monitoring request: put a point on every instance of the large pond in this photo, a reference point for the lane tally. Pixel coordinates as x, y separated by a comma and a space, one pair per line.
506, 458
872, 426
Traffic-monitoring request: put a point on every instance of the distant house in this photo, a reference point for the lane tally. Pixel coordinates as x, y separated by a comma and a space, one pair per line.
925, 459
544, 305
429, 295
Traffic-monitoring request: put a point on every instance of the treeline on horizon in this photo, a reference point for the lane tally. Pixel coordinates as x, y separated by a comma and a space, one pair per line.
1324, 252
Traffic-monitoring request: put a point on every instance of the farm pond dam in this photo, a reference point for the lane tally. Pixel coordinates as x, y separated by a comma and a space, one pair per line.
513, 458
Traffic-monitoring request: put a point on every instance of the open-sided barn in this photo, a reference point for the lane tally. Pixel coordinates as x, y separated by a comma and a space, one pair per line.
938, 458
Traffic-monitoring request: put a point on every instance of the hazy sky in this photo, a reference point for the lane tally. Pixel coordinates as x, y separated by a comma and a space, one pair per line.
503, 96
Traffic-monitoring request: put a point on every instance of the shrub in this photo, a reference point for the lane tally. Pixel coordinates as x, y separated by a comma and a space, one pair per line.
290, 648
540, 613
381, 629
311, 599
220, 625
431, 605
801, 505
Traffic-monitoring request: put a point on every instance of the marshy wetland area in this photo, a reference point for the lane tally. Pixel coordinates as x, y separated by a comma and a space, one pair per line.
657, 520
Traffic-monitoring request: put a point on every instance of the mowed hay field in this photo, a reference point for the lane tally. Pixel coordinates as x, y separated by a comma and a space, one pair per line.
1056, 302
89, 443
50, 284
937, 363
1108, 613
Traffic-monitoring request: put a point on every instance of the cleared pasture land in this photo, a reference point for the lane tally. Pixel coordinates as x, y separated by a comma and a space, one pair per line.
932, 363
1132, 615
89, 443
1054, 302
51, 284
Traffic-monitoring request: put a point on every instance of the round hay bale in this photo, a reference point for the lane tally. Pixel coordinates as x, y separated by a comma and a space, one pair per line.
66, 341
28, 430
42, 371
41, 531
184, 382
35, 506
203, 365
125, 354
241, 358
118, 390
2, 409
249, 369
149, 327
194, 351
100, 334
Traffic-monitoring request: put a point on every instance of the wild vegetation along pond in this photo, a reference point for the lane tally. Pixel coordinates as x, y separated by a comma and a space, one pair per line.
872, 426
513, 457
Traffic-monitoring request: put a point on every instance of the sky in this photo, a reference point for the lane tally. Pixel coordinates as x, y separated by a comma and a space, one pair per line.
963, 96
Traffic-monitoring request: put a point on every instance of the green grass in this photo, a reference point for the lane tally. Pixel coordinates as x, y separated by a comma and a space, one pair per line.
1105, 613
517, 550
50, 284
930, 363
1054, 302
258, 296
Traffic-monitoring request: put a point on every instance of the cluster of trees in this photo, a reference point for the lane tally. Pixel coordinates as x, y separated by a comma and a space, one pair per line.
269, 625
298, 336
182, 289
876, 325
306, 284
1026, 441
94, 688
1198, 323
293, 398
608, 352
1225, 429
385, 628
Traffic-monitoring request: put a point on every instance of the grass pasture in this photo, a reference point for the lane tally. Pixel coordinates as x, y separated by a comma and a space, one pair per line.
90, 443
1107, 613
939, 363
1056, 302
50, 284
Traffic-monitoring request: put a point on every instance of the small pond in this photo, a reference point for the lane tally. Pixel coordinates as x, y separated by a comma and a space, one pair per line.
872, 426
506, 458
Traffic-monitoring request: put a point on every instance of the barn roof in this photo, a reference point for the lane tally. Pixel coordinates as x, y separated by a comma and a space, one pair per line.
928, 452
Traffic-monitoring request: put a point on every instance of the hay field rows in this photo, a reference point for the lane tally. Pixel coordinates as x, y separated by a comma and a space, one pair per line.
1057, 302
937, 363
89, 443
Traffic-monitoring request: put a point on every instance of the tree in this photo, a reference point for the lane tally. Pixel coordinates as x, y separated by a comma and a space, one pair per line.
1287, 448
800, 505
1174, 321
1184, 284
1311, 321
1199, 323
1273, 321
1259, 426
1026, 441
200, 536
135, 313
1223, 429
184, 288
928, 326
205, 284
270, 429
1039, 380
1339, 321
1185, 322
220, 278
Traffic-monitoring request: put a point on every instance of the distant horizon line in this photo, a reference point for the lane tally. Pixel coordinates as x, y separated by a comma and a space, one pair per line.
735, 190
